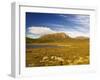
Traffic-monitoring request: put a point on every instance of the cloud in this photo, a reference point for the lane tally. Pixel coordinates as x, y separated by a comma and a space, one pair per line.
74, 34
79, 27
36, 32
83, 20
80, 22
76, 18
84, 24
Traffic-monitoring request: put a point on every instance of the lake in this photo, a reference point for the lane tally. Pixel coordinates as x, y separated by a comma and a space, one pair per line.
42, 46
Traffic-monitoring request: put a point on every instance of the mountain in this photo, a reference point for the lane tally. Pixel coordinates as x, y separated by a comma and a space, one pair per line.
81, 37
55, 36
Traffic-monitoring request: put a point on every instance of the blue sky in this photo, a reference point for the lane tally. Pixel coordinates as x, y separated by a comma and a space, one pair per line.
38, 24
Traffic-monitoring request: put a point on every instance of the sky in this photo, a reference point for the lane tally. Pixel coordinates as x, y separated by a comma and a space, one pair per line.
39, 24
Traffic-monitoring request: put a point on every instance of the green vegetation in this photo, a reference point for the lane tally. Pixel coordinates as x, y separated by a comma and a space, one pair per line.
67, 51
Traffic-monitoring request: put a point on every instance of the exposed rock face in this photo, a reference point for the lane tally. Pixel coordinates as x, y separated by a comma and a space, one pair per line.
55, 36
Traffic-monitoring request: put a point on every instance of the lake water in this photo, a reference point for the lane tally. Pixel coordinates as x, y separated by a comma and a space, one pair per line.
42, 46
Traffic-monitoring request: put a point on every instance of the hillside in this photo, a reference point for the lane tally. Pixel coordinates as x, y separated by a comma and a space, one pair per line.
56, 37
56, 50
81, 37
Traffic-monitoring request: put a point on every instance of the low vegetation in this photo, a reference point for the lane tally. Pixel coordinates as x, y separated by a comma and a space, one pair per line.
67, 51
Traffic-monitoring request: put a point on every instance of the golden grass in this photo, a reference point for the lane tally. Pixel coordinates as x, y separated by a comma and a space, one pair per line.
70, 53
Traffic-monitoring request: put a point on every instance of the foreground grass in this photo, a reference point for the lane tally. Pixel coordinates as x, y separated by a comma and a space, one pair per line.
75, 52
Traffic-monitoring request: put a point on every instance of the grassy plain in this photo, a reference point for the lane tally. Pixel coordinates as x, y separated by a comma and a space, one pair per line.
66, 52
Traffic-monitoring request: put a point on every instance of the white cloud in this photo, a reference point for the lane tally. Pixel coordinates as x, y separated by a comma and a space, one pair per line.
81, 21
74, 34
36, 32
83, 24
32, 35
